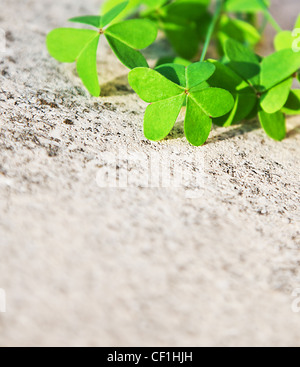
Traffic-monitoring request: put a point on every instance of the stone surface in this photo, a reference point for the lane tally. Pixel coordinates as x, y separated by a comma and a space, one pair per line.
85, 265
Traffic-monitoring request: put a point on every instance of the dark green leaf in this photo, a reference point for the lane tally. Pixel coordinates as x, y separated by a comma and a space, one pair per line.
173, 60
292, 106
173, 72
127, 55
182, 36
92, 20
243, 61
187, 9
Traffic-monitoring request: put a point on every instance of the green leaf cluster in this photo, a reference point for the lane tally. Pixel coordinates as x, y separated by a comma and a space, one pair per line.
240, 85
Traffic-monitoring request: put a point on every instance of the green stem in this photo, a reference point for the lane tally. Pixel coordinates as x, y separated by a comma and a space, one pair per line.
270, 18
211, 28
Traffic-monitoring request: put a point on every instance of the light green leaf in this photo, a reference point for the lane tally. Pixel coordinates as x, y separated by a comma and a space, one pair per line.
226, 78
243, 61
93, 20
245, 6
278, 67
197, 124
274, 99
151, 86
87, 67
297, 24
112, 13
161, 116
273, 124
198, 73
292, 106
173, 72
135, 33
215, 102
127, 55
66, 44
283, 40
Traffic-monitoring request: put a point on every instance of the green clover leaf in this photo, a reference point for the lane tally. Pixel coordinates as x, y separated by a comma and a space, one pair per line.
167, 89
271, 78
285, 39
73, 45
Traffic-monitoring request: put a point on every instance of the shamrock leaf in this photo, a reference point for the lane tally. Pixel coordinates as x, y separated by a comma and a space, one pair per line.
73, 45
167, 89
271, 79
285, 39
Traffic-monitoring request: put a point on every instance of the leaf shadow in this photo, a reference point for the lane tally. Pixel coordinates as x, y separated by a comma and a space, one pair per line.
116, 87
177, 132
294, 132
239, 130
159, 49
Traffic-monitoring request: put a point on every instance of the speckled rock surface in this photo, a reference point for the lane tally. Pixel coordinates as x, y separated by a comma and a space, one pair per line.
86, 265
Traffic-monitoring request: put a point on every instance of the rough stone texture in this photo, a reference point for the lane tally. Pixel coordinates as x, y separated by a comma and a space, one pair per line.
83, 265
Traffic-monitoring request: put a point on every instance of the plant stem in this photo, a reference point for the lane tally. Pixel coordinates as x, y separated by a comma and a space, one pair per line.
211, 29
270, 18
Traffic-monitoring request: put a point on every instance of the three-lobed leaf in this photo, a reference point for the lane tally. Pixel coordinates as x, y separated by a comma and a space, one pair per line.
164, 88
70, 45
